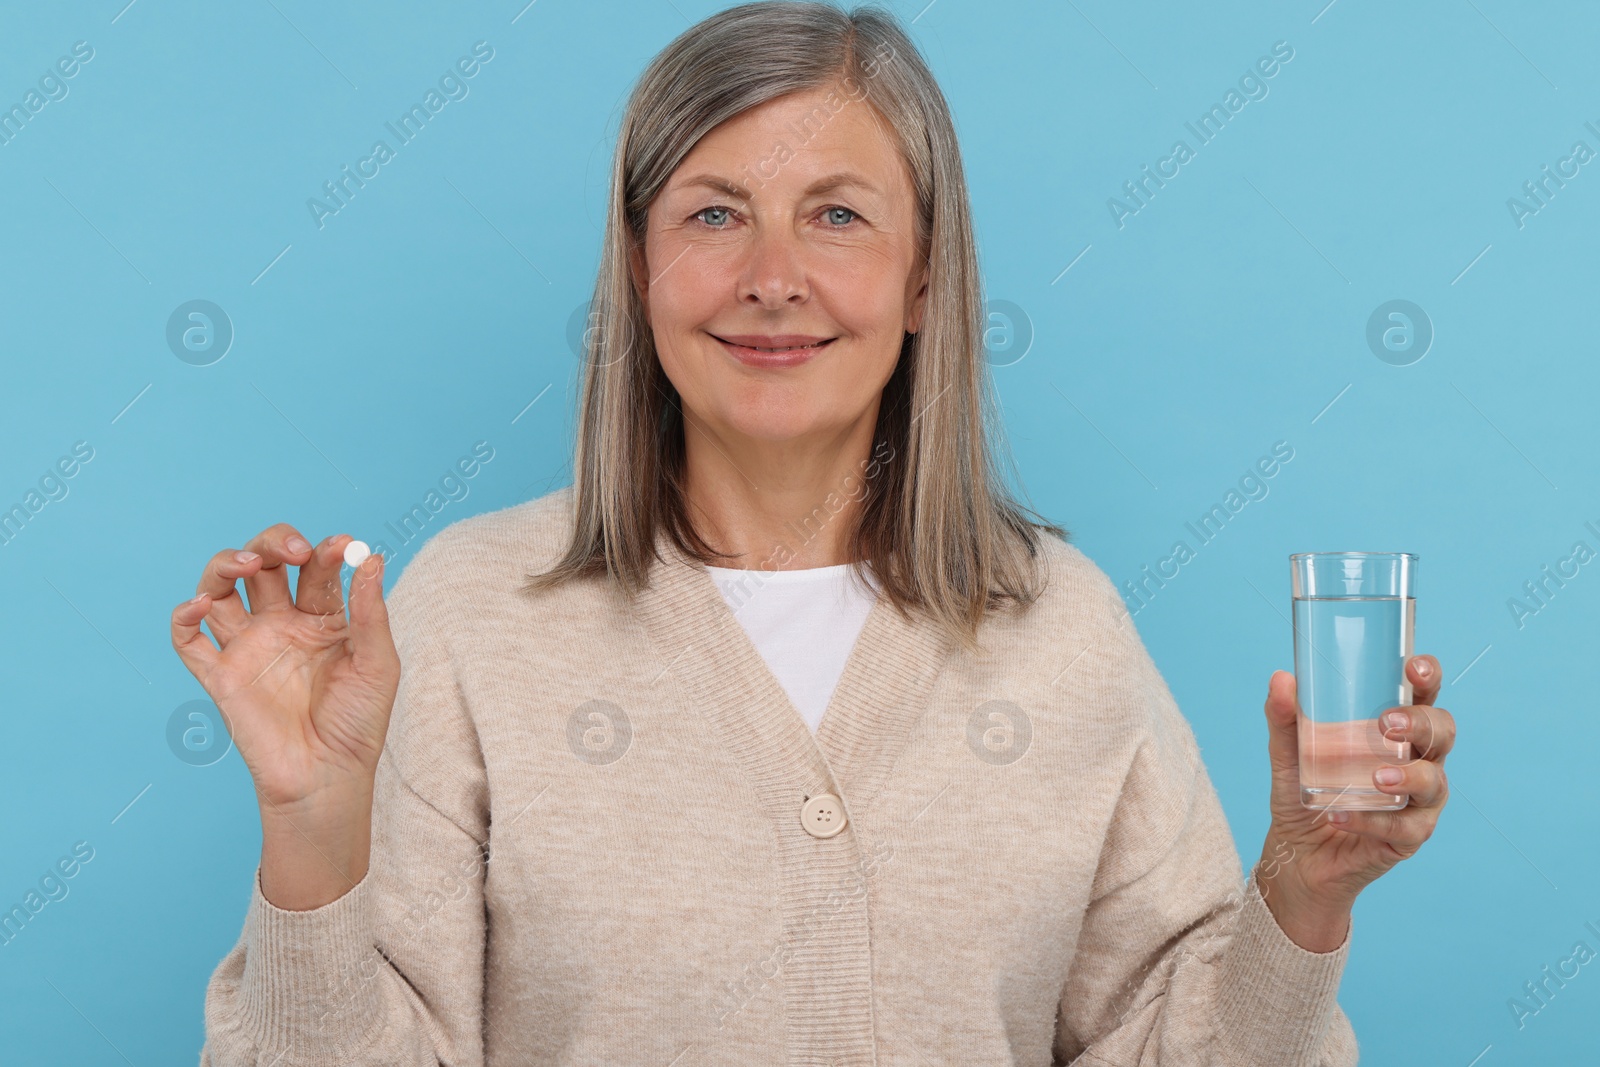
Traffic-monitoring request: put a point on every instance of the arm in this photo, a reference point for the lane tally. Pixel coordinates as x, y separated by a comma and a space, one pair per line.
391, 972
1185, 964
1180, 960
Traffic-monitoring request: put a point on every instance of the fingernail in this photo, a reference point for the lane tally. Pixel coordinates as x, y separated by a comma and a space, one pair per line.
1339, 816
1424, 668
199, 597
245, 557
1398, 720
1390, 775
297, 545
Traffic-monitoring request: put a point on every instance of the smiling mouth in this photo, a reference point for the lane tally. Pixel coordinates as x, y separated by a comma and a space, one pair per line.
791, 348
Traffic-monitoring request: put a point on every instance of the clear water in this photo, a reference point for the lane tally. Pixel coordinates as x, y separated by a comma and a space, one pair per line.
1349, 664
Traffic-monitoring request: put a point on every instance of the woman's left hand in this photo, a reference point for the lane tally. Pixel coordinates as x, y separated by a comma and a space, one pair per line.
1314, 863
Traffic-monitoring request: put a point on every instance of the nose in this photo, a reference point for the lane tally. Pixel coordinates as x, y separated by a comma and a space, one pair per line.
774, 274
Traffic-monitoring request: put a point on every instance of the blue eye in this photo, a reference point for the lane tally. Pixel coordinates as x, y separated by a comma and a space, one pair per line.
714, 207
830, 212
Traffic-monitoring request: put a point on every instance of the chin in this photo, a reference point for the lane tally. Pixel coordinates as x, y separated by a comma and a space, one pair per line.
770, 430
771, 417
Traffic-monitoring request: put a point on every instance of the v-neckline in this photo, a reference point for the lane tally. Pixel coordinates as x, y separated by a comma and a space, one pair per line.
838, 582
887, 678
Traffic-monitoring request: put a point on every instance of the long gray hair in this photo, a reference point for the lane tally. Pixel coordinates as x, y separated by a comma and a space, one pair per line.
937, 525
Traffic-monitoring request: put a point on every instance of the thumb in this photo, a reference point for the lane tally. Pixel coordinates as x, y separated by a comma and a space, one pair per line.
371, 644
1283, 722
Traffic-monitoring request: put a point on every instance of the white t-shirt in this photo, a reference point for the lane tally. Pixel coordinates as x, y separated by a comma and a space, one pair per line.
804, 623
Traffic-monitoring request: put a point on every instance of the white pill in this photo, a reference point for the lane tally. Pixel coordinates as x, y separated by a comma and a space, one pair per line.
355, 552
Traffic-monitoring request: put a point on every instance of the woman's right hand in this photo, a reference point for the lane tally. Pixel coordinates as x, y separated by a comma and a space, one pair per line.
305, 694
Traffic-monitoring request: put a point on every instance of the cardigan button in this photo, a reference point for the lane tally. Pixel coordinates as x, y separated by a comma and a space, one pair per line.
822, 815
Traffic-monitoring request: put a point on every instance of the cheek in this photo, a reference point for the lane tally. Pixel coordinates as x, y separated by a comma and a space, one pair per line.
683, 298
868, 285
871, 312
690, 286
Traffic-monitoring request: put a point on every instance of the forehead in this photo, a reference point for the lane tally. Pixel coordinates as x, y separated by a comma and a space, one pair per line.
790, 144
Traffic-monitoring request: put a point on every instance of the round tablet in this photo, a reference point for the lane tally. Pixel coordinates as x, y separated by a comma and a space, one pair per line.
355, 552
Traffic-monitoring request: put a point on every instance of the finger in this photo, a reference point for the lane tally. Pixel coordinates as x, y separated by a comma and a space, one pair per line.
1283, 723
371, 644
319, 590
219, 581
277, 545
1405, 830
1425, 674
1431, 731
194, 648
1422, 780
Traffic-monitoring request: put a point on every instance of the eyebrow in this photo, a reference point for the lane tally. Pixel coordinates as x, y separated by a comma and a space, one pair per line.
825, 184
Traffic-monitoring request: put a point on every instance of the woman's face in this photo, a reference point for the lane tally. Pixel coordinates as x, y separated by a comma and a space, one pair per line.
816, 243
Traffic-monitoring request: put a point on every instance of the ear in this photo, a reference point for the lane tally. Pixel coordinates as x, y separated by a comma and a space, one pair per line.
639, 273
919, 302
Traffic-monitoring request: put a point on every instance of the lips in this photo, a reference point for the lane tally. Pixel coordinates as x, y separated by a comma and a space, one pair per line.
773, 350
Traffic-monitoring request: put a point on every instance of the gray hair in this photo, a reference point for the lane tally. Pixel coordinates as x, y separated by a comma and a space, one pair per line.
937, 526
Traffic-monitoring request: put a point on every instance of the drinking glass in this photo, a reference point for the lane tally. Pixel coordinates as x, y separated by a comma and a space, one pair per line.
1354, 613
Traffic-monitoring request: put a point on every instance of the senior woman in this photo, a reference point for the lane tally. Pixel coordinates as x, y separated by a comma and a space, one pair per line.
783, 735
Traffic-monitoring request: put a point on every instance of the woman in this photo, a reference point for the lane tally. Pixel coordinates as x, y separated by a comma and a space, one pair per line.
601, 817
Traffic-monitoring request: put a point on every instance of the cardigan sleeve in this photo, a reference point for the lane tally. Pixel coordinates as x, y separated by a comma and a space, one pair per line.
390, 973
1179, 960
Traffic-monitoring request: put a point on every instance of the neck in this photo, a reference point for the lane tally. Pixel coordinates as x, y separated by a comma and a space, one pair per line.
778, 505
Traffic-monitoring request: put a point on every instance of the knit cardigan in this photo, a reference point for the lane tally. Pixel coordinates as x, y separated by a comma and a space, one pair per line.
602, 834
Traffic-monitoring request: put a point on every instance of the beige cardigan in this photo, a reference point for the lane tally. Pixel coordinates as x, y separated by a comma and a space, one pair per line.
603, 835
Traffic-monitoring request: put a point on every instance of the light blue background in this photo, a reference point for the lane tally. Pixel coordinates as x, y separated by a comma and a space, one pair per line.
1228, 314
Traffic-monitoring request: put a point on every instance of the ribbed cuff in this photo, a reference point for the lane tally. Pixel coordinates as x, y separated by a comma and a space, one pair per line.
311, 978
1275, 998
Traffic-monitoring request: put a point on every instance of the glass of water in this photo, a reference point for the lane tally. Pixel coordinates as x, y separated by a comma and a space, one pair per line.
1354, 613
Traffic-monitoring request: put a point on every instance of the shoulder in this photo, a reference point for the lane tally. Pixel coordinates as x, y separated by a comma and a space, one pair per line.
1080, 597
1079, 641
1075, 638
1074, 588
473, 559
